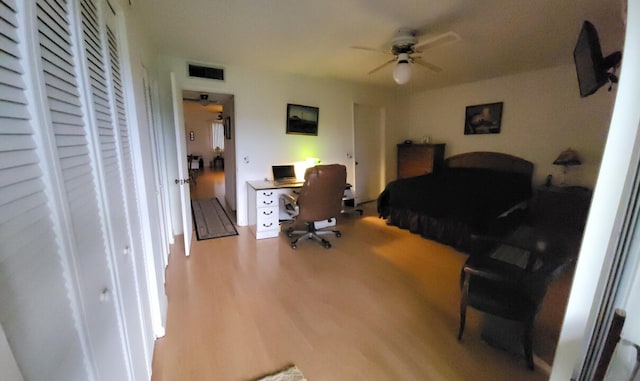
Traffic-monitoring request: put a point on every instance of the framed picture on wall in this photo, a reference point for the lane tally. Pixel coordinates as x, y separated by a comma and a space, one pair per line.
483, 119
302, 120
227, 128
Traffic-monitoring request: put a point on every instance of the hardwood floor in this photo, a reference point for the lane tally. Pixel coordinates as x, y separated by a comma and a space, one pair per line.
381, 304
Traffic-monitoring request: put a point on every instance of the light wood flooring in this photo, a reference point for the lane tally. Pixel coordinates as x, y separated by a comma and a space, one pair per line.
381, 304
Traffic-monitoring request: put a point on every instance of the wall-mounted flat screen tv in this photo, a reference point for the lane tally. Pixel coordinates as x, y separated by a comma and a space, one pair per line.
592, 68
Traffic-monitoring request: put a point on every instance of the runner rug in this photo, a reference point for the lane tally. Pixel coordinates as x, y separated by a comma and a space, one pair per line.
211, 219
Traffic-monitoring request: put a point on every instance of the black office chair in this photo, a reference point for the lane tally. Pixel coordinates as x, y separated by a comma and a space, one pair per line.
509, 278
320, 199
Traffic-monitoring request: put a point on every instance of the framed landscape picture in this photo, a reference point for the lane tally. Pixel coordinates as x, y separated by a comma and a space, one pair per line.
302, 120
483, 119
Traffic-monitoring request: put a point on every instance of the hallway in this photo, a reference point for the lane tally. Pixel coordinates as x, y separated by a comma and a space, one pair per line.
209, 183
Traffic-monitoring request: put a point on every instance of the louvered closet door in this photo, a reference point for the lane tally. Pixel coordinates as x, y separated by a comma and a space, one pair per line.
134, 271
107, 99
35, 311
76, 160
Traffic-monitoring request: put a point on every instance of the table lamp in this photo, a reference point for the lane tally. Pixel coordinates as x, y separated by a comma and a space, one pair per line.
567, 158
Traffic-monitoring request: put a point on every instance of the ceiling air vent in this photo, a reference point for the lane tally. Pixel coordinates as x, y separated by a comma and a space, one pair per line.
206, 72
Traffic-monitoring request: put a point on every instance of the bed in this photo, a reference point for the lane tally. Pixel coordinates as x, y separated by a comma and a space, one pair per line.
474, 193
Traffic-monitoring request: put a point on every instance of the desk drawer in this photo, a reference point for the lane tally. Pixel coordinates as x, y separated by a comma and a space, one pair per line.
266, 198
292, 191
267, 218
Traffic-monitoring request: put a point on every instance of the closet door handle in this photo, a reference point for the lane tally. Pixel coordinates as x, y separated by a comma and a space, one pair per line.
105, 295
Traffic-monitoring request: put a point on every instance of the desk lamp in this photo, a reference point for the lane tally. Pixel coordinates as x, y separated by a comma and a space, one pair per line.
301, 166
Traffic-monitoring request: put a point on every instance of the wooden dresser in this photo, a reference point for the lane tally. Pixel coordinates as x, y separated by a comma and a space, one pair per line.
419, 159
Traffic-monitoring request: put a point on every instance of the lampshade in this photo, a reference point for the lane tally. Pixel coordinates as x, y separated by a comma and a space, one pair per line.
568, 157
402, 71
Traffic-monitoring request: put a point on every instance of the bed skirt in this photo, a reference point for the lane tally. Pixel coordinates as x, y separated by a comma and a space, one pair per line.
456, 234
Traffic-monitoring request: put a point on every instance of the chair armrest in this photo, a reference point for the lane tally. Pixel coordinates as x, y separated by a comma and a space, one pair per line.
290, 205
286, 197
487, 274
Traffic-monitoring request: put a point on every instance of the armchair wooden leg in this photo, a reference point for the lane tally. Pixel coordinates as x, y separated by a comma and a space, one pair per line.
527, 342
463, 304
463, 317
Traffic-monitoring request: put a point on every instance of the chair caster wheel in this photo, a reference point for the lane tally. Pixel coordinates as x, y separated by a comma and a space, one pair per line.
326, 245
294, 246
289, 234
338, 234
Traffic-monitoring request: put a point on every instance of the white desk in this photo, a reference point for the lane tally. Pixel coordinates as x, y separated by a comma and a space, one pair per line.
265, 210
264, 206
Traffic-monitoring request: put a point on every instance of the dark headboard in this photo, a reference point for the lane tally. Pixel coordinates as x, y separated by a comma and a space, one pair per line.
491, 160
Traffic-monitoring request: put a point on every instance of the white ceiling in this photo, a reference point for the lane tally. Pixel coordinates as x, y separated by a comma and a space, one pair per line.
312, 37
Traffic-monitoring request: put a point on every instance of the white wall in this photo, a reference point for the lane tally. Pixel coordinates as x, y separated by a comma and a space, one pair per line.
542, 115
260, 120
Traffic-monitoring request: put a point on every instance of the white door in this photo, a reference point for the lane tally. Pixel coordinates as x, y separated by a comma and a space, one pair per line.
183, 174
157, 273
368, 151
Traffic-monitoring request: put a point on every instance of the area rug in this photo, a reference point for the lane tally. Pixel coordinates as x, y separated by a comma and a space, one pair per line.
292, 373
211, 219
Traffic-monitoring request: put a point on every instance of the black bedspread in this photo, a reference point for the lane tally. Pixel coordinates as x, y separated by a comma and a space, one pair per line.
452, 203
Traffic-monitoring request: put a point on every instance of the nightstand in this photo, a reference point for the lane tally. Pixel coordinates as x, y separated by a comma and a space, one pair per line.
561, 208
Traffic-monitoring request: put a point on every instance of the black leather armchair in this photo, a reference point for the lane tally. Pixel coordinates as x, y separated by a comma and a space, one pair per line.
320, 199
509, 278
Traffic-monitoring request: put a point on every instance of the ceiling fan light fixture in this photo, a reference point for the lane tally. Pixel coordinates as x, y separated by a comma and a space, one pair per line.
402, 72
204, 99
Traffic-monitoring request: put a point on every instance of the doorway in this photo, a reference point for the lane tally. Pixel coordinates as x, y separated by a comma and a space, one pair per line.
209, 144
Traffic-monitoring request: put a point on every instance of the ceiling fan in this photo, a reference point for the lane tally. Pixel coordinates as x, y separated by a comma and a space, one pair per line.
404, 47
203, 99
212, 104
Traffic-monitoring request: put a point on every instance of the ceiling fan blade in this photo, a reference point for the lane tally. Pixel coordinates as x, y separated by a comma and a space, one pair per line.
383, 65
428, 65
369, 49
445, 38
